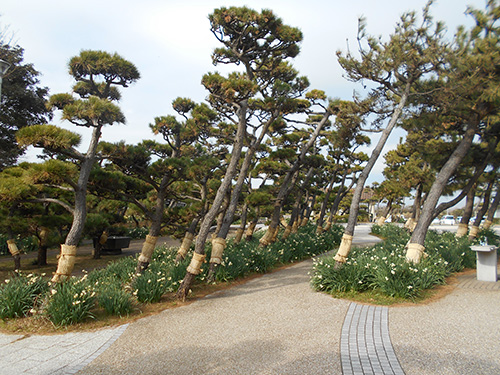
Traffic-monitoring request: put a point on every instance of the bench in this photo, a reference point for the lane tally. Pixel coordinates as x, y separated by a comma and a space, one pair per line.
113, 245
487, 261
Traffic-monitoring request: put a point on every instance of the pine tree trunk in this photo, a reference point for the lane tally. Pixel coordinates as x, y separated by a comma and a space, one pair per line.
42, 248
308, 211
220, 216
188, 240
16, 254
251, 228
341, 193
346, 243
492, 209
484, 208
285, 189
220, 243
463, 226
324, 205
66, 261
416, 251
149, 243
287, 184
241, 229
231, 170
96, 251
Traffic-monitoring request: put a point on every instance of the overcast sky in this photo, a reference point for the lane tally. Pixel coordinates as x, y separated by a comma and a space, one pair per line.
170, 43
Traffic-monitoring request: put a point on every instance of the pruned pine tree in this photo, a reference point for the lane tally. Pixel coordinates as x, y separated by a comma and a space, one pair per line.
493, 207
490, 180
181, 138
161, 165
319, 119
414, 51
344, 163
261, 43
279, 96
90, 105
471, 100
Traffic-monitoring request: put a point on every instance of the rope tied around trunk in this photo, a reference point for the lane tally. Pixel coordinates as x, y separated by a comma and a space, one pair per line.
194, 267
11, 244
415, 252
147, 249
185, 245
66, 262
462, 230
218, 246
344, 249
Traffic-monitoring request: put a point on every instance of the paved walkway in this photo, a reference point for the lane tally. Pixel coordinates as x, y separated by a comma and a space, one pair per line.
276, 324
365, 344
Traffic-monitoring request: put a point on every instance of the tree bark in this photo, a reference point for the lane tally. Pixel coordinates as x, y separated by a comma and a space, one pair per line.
16, 254
294, 218
42, 248
341, 193
484, 208
149, 243
188, 240
190, 234
201, 239
99, 245
251, 228
463, 226
479, 171
492, 209
416, 245
308, 211
241, 229
286, 185
346, 243
66, 261
324, 205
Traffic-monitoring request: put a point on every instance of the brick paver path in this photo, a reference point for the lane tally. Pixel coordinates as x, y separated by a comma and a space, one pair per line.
365, 344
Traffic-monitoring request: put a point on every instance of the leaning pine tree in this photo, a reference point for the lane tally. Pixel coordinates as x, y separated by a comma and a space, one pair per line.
260, 42
396, 67
469, 101
90, 105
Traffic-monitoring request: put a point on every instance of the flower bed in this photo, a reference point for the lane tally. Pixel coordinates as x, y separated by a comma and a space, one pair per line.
383, 267
116, 289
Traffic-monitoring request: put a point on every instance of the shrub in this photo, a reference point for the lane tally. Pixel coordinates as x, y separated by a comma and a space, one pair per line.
162, 276
70, 302
27, 244
488, 236
150, 286
455, 251
384, 268
350, 277
114, 298
138, 233
247, 257
19, 294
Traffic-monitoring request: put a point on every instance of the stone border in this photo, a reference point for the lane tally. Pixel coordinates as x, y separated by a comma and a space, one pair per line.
75, 368
471, 282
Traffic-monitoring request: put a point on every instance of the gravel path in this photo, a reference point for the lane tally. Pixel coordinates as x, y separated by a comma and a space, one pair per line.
272, 325
459, 334
276, 324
